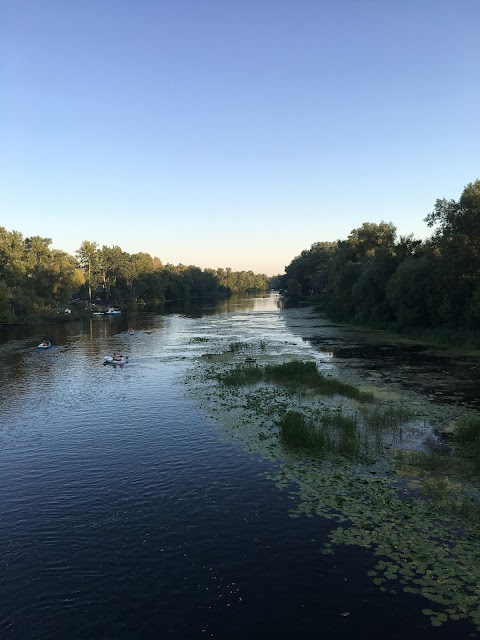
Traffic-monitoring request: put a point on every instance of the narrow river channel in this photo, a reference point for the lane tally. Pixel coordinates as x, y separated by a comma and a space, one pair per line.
137, 502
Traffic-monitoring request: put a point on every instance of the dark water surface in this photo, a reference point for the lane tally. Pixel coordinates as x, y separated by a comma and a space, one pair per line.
125, 515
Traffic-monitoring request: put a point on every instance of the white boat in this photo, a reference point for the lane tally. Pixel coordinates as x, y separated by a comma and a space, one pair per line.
45, 344
113, 312
115, 360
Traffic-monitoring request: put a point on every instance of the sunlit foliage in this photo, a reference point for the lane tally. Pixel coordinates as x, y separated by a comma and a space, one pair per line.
37, 279
373, 276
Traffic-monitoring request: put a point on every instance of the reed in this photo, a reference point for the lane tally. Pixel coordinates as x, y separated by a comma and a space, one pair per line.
336, 434
387, 417
468, 430
241, 375
296, 374
430, 461
298, 432
467, 509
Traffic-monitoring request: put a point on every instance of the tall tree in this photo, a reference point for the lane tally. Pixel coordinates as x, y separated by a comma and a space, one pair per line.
457, 239
89, 260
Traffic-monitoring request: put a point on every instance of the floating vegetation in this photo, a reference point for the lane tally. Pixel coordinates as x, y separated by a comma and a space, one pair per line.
335, 449
421, 549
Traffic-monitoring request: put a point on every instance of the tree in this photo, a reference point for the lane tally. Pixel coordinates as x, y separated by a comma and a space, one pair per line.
13, 271
308, 273
361, 269
458, 231
457, 241
114, 265
411, 293
89, 260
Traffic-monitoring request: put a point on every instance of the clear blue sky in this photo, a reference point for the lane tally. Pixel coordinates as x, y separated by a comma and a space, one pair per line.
233, 132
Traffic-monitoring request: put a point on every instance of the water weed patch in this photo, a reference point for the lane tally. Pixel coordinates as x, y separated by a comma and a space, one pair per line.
345, 458
293, 375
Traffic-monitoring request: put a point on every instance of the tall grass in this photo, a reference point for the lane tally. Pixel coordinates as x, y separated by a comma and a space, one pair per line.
241, 375
387, 417
468, 430
353, 436
467, 435
299, 432
335, 434
295, 374
430, 461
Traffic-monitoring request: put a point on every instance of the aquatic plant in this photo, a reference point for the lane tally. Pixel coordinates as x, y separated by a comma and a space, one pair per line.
350, 435
387, 417
426, 461
235, 347
413, 511
294, 374
297, 431
241, 375
468, 430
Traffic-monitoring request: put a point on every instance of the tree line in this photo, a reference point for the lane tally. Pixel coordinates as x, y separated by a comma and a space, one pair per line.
376, 277
35, 278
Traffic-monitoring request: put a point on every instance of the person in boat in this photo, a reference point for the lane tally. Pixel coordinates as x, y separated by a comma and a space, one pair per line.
117, 358
44, 343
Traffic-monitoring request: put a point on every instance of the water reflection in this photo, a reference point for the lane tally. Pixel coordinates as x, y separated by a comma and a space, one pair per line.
123, 513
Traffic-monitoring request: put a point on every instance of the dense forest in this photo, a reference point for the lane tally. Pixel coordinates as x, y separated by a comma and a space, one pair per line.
371, 277
376, 277
36, 279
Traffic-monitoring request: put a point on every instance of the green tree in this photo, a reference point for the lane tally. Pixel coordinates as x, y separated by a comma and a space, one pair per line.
89, 260
457, 241
13, 273
308, 273
411, 294
361, 269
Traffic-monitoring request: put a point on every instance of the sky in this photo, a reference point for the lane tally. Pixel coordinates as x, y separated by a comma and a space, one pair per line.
233, 132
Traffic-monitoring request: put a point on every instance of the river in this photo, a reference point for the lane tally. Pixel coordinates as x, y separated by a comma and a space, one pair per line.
132, 508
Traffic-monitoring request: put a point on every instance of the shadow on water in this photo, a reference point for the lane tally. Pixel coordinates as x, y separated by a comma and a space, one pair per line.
440, 374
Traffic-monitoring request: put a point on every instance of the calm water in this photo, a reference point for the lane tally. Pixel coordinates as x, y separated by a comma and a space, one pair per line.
124, 514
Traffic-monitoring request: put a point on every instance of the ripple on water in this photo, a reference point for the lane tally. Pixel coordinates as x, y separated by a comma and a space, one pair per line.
125, 515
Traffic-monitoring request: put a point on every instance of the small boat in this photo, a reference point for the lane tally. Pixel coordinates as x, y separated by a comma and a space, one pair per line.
45, 344
115, 359
113, 312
